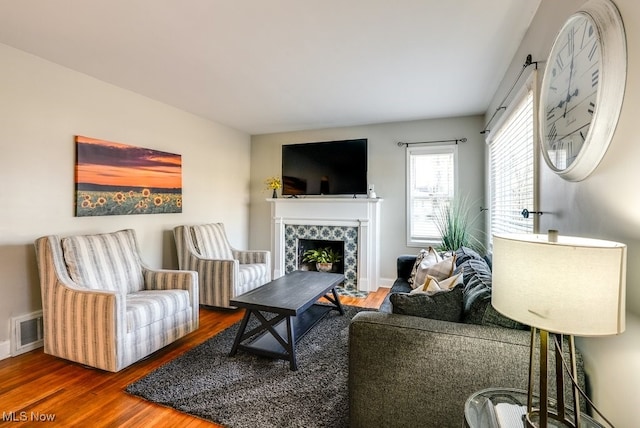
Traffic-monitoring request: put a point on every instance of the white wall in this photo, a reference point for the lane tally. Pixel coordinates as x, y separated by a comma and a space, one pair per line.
42, 107
386, 171
606, 205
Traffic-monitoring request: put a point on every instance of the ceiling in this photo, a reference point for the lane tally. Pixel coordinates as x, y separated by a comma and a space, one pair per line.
264, 66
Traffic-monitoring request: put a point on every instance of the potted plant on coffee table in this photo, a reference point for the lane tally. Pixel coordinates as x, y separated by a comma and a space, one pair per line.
324, 258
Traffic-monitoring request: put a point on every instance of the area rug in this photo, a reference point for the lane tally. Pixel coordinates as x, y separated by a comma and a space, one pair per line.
252, 391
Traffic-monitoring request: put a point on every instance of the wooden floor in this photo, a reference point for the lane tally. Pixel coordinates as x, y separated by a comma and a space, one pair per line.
35, 387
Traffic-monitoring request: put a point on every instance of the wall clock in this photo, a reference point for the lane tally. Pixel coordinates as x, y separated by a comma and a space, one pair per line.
582, 90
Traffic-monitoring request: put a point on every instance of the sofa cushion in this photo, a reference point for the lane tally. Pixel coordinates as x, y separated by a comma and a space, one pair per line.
445, 305
211, 241
148, 306
493, 317
106, 261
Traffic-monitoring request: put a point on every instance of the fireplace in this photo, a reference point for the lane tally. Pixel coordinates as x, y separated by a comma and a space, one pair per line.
354, 223
342, 238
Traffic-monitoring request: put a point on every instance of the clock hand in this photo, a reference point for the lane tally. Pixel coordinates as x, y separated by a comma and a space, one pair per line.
568, 88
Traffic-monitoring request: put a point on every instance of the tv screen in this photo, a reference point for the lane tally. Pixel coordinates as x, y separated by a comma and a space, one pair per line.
325, 168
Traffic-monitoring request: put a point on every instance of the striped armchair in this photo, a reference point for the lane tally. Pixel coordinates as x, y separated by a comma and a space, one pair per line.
103, 307
223, 271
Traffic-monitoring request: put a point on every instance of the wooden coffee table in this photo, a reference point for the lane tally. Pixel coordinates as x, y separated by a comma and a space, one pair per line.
293, 299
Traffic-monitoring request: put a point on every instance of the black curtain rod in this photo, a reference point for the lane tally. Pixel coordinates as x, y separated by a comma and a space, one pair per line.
526, 64
455, 140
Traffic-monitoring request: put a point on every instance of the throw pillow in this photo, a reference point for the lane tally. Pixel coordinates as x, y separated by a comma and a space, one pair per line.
477, 290
465, 253
441, 270
424, 258
445, 305
432, 285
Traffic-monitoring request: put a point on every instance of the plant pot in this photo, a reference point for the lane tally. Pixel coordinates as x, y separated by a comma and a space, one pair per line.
275, 194
324, 267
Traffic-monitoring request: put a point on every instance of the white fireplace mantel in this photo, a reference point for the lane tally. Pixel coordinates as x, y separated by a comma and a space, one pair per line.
362, 213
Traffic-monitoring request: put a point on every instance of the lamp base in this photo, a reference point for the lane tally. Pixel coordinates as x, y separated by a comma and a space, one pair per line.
544, 415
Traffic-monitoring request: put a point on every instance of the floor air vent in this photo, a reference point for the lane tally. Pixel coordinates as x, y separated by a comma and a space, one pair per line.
27, 333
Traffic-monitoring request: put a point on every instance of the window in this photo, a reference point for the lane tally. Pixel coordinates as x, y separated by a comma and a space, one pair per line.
431, 183
511, 167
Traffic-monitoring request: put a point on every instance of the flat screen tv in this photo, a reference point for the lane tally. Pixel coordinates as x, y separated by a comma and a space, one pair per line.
325, 168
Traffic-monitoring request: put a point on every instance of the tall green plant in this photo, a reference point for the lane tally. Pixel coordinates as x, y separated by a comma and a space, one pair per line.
456, 224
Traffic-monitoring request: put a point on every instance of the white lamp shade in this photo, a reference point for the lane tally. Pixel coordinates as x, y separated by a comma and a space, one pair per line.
573, 286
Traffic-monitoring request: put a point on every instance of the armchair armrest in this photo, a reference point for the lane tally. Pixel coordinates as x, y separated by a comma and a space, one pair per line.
167, 279
219, 275
251, 257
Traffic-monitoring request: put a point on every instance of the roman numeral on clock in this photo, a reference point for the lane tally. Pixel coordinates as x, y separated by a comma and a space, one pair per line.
553, 133
551, 114
594, 77
591, 108
592, 52
570, 42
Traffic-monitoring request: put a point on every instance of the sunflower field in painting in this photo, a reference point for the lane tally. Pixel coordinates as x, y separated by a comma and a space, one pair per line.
119, 179
97, 203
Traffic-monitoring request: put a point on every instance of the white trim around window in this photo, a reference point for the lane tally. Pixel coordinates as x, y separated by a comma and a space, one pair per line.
432, 180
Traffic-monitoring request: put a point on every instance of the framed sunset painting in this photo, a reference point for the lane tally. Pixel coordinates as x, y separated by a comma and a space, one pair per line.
119, 179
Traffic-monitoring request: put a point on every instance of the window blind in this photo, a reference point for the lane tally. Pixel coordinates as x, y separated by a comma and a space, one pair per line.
511, 157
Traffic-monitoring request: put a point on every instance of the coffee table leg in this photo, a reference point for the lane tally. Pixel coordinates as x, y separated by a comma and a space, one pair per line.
335, 299
291, 346
243, 326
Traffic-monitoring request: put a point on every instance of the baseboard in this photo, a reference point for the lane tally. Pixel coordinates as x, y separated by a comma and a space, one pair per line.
385, 282
5, 349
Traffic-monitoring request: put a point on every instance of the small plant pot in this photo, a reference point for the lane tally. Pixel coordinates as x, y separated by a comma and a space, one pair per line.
324, 267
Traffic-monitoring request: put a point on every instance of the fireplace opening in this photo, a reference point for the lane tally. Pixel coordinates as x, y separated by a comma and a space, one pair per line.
313, 244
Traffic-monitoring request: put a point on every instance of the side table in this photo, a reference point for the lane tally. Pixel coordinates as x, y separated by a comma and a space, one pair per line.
505, 407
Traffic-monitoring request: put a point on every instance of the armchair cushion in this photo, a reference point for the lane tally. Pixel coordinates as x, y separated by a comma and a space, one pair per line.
148, 306
106, 261
211, 241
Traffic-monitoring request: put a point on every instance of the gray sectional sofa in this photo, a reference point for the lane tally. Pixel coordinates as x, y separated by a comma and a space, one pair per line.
410, 371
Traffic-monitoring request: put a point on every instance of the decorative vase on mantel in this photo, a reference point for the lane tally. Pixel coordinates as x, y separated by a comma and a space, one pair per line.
275, 194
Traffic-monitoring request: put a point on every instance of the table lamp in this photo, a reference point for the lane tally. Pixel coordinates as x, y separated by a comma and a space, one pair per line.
560, 285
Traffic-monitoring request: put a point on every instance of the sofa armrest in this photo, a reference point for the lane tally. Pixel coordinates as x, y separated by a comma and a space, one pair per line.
406, 371
404, 265
165, 279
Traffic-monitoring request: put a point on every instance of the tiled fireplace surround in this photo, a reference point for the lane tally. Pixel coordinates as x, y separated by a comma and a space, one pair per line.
355, 221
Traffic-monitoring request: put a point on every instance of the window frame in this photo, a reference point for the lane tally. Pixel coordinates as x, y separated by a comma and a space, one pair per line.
432, 149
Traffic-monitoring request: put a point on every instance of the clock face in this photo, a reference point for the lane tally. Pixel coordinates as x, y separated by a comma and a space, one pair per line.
571, 86
582, 90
